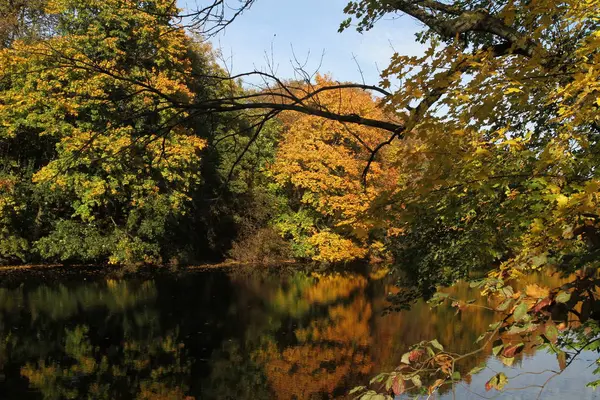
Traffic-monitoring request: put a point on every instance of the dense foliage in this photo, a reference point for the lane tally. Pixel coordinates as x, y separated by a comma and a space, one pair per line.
123, 141
96, 162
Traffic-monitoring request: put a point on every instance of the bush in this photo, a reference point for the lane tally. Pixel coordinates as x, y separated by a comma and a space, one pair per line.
263, 245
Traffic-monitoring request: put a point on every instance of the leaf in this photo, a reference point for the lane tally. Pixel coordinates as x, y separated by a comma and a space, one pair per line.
357, 389
481, 337
437, 345
456, 376
517, 329
511, 351
552, 333
513, 90
542, 304
537, 291
505, 304
436, 384
398, 386
508, 361
477, 369
497, 349
495, 326
416, 380
507, 291
405, 358
520, 311
563, 297
415, 355
497, 382
502, 381
476, 284
377, 378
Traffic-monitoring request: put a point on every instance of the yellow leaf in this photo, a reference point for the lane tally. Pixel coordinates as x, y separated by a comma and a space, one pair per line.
513, 90
537, 292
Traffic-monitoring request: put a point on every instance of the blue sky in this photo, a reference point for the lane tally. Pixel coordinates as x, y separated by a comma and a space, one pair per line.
309, 27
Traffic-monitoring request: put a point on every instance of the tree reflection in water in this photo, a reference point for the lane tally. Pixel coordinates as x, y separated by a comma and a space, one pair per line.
213, 335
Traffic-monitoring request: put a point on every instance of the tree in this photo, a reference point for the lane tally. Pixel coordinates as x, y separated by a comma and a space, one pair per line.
24, 20
99, 159
321, 163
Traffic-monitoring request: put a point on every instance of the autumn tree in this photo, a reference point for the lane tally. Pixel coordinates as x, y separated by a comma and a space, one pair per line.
321, 163
99, 161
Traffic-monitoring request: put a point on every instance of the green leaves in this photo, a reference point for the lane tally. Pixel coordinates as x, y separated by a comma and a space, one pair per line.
90, 110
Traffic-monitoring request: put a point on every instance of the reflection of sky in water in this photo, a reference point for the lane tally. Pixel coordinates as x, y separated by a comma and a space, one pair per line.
570, 384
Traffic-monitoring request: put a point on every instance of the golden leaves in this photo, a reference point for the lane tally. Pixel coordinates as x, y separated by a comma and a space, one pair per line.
536, 291
325, 160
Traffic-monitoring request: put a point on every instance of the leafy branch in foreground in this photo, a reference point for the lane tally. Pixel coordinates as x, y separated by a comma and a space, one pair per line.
562, 321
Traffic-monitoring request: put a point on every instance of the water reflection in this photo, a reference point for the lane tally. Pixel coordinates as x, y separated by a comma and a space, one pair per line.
214, 335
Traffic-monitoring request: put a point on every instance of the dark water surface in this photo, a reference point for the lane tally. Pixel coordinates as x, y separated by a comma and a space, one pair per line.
238, 335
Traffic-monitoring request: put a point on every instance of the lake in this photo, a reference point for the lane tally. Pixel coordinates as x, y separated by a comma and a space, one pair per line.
242, 334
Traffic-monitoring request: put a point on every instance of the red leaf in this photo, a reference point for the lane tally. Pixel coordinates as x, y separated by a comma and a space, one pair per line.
512, 350
398, 386
488, 386
544, 303
415, 355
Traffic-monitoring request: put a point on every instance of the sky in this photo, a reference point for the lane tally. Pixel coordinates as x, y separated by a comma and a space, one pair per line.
274, 32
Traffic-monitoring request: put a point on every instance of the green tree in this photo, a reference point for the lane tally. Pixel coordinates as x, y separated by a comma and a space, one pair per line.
99, 161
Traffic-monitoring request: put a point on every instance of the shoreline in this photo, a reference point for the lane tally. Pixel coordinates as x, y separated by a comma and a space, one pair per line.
158, 268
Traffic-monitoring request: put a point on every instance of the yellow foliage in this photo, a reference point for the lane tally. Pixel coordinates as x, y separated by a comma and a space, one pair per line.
325, 160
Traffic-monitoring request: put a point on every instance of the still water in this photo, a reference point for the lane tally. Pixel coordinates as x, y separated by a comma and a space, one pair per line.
249, 334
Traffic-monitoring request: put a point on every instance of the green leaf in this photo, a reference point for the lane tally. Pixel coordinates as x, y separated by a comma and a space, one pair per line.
502, 381
476, 284
497, 382
516, 329
508, 361
497, 349
378, 378
563, 297
594, 385
495, 325
477, 369
437, 345
552, 333
405, 358
504, 305
507, 291
520, 312
456, 376
416, 380
357, 389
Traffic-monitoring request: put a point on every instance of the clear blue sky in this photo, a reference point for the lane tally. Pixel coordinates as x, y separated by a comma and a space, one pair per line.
311, 26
